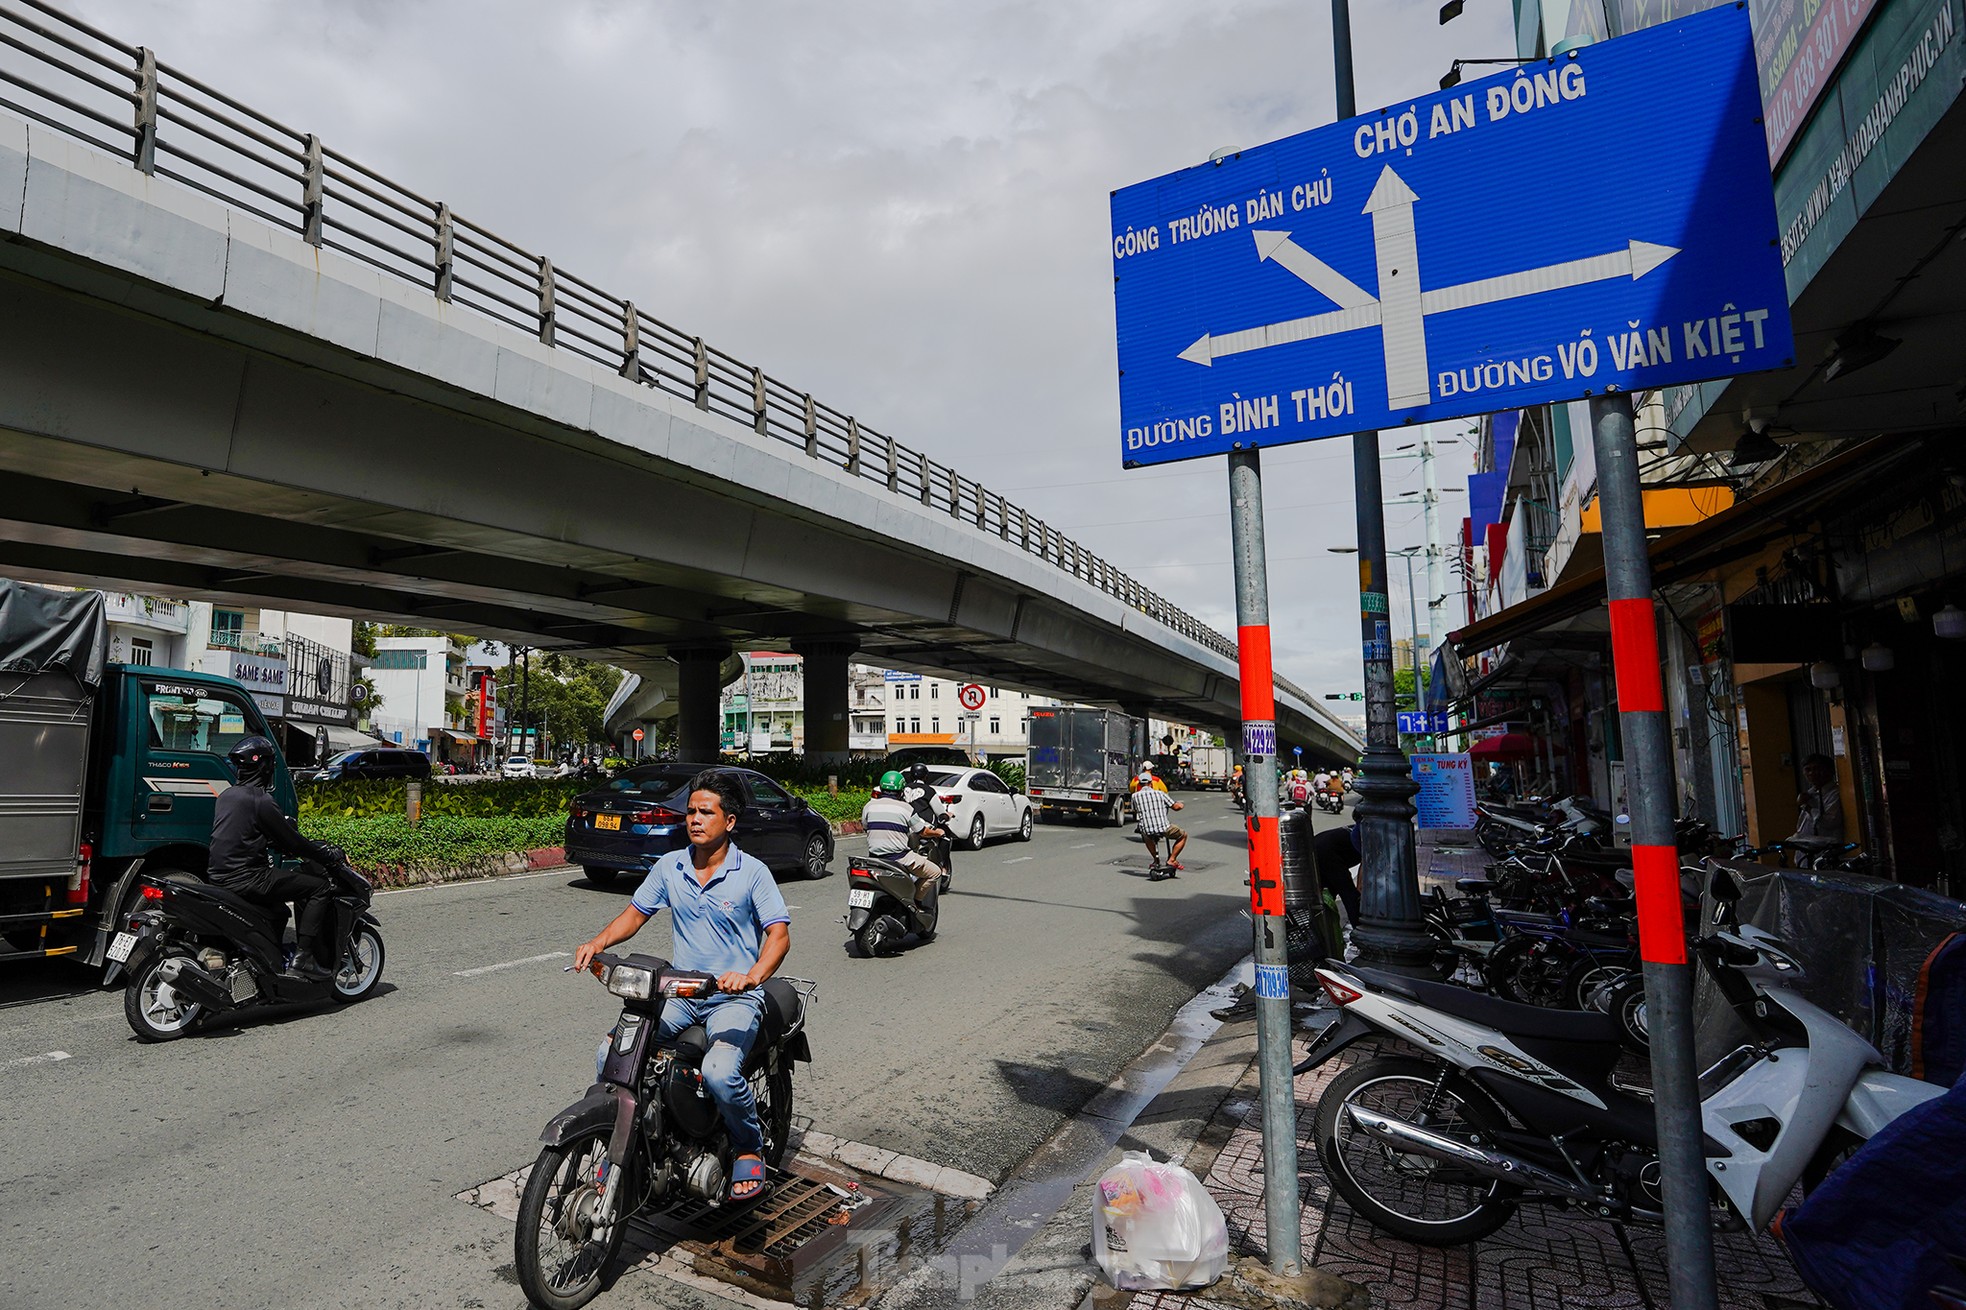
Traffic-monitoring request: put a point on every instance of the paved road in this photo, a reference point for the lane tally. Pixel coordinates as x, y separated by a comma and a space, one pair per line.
310, 1158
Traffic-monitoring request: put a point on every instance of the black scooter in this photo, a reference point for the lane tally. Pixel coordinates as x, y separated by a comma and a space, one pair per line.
647, 1133
193, 949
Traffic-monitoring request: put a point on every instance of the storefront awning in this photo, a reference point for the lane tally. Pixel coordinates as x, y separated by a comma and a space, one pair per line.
347, 739
1507, 746
1743, 529
463, 738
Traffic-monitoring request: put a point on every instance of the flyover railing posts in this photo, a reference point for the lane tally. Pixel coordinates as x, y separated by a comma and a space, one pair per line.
64, 74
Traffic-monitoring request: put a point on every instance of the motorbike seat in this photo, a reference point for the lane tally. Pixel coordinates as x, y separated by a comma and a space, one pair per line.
784, 1014
274, 920
1516, 1020
1474, 886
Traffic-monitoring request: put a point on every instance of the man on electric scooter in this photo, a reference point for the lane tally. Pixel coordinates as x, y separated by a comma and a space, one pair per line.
890, 821
727, 918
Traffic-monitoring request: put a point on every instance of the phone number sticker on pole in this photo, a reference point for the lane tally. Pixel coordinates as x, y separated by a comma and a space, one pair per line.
1386, 270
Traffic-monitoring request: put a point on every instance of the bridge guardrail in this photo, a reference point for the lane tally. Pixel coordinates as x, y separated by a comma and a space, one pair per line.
123, 100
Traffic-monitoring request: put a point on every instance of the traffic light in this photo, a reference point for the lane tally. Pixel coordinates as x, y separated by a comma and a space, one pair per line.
1344, 695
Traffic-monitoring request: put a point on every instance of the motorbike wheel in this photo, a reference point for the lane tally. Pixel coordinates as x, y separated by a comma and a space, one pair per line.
562, 1255
155, 1011
360, 970
1633, 1030
1422, 1200
877, 937
1515, 972
1024, 827
773, 1094
1586, 987
976, 834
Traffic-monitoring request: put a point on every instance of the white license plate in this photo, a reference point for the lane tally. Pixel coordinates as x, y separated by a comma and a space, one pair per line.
120, 948
861, 898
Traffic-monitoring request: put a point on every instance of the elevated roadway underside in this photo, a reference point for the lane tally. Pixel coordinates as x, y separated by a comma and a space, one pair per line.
166, 442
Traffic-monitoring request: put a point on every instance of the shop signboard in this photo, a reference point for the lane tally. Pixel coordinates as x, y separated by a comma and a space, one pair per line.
263, 675
1382, 271
1447, 793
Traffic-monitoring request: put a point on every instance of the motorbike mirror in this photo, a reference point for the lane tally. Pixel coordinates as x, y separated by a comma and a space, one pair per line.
1723, 888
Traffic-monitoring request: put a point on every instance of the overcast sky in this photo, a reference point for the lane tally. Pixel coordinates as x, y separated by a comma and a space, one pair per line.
901, 207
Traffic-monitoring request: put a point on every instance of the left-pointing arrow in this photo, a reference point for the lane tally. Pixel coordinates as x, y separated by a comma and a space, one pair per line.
1209, 348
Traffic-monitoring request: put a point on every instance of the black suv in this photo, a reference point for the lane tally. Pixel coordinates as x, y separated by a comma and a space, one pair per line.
351, 765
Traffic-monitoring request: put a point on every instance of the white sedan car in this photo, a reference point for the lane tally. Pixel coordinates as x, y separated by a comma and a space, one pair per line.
981, 806
518, 766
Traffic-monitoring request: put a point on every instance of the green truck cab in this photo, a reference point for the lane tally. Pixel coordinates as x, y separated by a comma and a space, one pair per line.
106, 771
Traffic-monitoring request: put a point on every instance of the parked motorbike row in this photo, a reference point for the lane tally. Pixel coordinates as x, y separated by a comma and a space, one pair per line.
1507, 1104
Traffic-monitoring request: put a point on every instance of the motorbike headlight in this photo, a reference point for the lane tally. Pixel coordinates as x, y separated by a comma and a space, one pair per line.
630, 983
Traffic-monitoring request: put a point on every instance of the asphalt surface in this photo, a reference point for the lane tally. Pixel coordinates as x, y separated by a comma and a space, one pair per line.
311, 1157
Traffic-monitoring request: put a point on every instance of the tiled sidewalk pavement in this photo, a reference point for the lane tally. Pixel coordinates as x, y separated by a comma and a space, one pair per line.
1542, 1257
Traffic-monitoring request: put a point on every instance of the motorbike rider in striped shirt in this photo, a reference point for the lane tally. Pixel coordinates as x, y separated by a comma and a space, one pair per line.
890, 821
1151, 807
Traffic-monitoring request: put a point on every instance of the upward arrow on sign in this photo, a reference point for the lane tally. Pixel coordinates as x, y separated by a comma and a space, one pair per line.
1401, 307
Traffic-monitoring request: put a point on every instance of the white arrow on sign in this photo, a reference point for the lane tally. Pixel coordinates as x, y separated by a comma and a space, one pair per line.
1401, 307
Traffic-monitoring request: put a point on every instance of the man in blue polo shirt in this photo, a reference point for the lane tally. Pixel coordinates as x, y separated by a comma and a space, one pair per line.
727, 918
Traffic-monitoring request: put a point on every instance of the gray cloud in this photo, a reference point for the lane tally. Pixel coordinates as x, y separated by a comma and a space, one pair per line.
901, 207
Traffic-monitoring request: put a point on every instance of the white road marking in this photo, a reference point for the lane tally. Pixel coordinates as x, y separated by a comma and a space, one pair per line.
1021, 859
52, 1057
1085, 845
511, 964
475, 882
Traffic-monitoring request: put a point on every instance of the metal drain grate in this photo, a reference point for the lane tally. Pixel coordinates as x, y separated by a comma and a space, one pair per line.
806, 1232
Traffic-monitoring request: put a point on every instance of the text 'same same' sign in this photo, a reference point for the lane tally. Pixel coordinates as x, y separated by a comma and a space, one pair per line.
1599, 221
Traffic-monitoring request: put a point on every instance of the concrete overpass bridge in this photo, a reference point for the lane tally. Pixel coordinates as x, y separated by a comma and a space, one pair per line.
236, 365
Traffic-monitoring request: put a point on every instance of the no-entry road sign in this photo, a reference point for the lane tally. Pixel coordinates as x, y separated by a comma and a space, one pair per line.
1599, 221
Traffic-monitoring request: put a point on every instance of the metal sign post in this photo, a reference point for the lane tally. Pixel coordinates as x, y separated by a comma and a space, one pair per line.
1655, 855
1391, 931
1281, 1206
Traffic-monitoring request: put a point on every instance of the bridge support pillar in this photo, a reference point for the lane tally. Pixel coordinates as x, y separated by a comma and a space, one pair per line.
700, 688
827, 724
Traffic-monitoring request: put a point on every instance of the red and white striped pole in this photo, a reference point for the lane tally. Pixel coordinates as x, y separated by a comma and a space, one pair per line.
1655, 855
1281, 1210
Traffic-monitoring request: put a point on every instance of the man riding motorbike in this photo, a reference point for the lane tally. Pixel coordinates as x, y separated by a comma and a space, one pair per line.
728, 918
245, 821
890, 821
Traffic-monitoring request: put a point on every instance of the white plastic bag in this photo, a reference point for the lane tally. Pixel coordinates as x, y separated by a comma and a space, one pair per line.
1155, 1228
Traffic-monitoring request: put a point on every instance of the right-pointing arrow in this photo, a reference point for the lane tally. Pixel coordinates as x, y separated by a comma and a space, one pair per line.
1636, 260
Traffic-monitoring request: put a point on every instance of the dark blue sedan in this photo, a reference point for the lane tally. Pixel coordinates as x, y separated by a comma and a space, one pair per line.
616, 829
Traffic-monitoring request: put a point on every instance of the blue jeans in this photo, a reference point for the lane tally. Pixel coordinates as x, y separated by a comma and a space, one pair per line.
730, 1021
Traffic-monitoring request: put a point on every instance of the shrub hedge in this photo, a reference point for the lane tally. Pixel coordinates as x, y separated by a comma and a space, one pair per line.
469, 824
384, 843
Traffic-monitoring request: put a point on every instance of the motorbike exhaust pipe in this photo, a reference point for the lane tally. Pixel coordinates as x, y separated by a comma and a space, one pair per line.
202, 987
1415, 1140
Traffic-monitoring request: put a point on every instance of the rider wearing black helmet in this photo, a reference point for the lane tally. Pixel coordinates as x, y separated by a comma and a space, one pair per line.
245, 821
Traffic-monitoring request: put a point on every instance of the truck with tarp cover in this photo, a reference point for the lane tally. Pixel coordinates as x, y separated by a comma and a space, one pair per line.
1081, 760
106, 771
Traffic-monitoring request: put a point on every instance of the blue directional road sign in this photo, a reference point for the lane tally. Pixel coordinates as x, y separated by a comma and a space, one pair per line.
1422, 722
1598, 221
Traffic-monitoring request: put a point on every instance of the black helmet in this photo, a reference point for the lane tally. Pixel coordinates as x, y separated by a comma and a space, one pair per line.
253, 760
